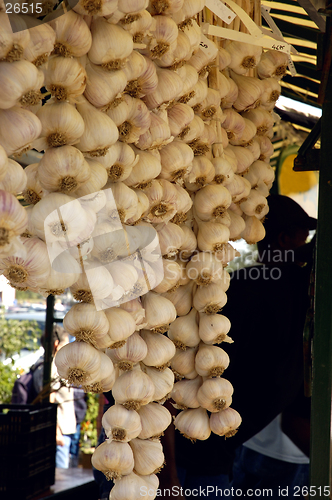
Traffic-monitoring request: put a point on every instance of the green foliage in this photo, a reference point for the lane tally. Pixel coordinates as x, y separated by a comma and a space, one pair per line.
7, 377
89, 436
17, 335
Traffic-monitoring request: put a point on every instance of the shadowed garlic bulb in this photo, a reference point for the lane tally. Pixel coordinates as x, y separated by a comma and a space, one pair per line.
121, 424
114, 458
193, 424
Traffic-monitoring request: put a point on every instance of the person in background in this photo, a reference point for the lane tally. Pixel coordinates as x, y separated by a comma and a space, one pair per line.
64, 396
80, 406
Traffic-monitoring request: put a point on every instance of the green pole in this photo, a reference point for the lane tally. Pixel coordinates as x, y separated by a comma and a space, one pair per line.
320, 461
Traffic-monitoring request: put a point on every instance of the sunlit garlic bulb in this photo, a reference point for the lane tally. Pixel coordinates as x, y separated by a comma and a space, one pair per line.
193, 424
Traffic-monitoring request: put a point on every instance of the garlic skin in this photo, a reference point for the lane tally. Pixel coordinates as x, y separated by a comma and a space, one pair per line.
250, 91
193, 424
73, 37
181, 298
212, 236
158, 134
184, 331
148, 456
211, 361
176, 161
165, 8
63, 169
114, 458
210, 299
6, 37
204, 268
211, 202
56, 283
213, 328
41, 44
223, 171
215, 394
155, 419
262, 119
162, 196
20, 84
133, 389
163, 382
201, 173
134, 351
94, 8
225, 422
111, 44
18, 129
184, 393
78, 362
254, 230
65, 78
28, 271
164, 34
61, 125
169, 88
96, 181
160, 350
127, 487
121, 424
95, 289
15, 180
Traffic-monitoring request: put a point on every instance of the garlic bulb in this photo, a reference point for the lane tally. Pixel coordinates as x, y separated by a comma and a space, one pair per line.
272, 64
163, 382
30, 271
73, 37
184, 331
211, 201
254, 230
122, 202
160, 350
197, 95
189, 76
135, 308
159, 312
243, 56
266, 148
56, 283
63, 169
138, 25
100, 131
18, 129
155, 419
65, 78
223, 171
184, 204
119, 161
20, 84
271, 93
250, 91
133, 389
204, 268
148, 456
78, 362
178, 55
211, 361
225, 422
239, 188
94, 8
214, 394
162, 196
213, 328
110, 245
210, 299
127, 487
181, 298
96, 181
166, 8
189, 243
33, 191
147, 168
170, 238
121, 325
96, 288
254, 147
176, 161
15, 180
260, 172
255, 204
87, 324
6, 37
19, 39
134, 351
76, 224
157, 135
193, 424
169, 88
184, 393
183, 363
104, 87
262, 119
201, 173
104, 380
192, 31
179, 118
164, 34
233, 123
171, 276
114, 458
212, 236
131, 117
111, 44
41, 44
121, 424
61, 125
201, 60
